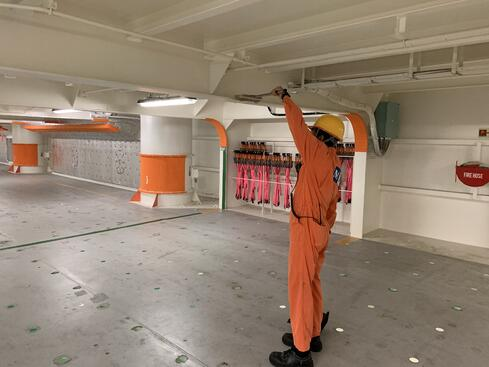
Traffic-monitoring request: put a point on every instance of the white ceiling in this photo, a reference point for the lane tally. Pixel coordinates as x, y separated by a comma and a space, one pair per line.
271, 35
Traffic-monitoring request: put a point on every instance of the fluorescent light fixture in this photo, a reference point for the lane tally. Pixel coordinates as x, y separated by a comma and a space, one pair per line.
67, 110
166, 101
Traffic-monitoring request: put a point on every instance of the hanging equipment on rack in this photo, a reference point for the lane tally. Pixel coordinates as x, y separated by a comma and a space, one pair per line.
288, 164
253, 180
237, 193
276, 163
349, 180
298, 163
266, 178
346, 152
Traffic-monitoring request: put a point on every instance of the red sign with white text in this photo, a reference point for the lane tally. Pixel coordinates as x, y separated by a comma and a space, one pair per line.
473, 175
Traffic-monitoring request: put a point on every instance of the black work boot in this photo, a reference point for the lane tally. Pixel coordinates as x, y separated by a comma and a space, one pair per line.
289, 358
316, 344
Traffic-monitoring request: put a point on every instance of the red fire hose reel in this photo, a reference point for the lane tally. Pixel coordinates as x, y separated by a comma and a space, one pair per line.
474, 174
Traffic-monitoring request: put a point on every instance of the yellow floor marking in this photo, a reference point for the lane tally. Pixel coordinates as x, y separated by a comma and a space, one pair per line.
345, 241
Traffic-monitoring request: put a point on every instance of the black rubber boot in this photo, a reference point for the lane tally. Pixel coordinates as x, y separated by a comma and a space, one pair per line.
289, 358
316, 344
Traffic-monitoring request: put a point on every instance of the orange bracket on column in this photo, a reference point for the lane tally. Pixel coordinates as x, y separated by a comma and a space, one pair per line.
360, 132
221, 132
25, 155
162, 174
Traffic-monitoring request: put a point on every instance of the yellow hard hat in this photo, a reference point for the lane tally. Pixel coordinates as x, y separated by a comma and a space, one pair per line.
331, 125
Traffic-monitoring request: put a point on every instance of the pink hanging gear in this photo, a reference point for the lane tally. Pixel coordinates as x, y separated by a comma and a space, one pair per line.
349, 180
237, 193
278, 189
246, 183
252, 183
260, 184
266, 194
287, 188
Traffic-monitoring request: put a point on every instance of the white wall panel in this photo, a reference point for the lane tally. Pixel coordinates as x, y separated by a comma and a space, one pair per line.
115, 162
205, 154
3, 149
454, 220
435, 209
425, 166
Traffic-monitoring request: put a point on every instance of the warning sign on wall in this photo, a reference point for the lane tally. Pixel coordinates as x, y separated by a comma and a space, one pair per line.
473, 174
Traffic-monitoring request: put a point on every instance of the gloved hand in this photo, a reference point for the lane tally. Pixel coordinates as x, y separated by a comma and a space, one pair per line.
277, 91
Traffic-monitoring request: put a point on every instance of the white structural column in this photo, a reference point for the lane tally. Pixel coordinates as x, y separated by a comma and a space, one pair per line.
358, 194
27, 151
166, 153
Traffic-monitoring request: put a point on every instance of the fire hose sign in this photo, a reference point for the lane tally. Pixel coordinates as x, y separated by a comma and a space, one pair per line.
473, 174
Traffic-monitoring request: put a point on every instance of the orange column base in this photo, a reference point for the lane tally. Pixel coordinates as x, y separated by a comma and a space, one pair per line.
160, 174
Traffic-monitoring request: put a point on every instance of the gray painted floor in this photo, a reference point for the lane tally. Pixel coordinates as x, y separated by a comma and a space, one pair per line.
36, 208
432, 245
209, 287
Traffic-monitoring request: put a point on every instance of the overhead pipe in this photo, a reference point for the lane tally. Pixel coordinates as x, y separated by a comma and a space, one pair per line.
286, 36
52, 11
316, 113
455, 39
361, 107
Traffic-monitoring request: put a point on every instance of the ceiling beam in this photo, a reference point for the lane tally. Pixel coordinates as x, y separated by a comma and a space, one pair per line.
184, 13
369, 12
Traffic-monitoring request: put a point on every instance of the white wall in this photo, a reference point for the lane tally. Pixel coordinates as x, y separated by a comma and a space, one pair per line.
419, 192
371, 217
205, 156
3, 149
237, 132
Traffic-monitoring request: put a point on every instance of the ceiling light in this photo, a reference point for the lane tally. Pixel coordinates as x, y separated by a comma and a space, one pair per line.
67, 110
166, 101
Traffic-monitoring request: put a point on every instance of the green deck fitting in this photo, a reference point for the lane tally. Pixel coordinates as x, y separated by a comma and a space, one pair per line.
181, 359
33, 329
61, 360
103, 306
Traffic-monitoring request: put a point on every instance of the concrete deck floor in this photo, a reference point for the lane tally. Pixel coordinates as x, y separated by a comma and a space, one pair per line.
210, 286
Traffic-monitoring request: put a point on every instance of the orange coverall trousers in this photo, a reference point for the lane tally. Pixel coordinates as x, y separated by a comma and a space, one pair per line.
314, 203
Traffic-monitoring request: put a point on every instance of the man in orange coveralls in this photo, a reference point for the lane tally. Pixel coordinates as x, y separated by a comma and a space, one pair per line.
313, 213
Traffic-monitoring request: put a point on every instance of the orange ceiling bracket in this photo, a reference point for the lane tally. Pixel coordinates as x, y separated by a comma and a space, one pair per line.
221, 132
82, 128
360, 132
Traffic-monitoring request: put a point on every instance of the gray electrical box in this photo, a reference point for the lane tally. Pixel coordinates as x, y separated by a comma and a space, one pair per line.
387, 117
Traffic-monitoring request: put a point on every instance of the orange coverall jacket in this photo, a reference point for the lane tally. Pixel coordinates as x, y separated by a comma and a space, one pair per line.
314, 202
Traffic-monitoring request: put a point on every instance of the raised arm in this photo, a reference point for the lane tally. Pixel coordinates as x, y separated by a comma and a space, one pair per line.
303, 138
